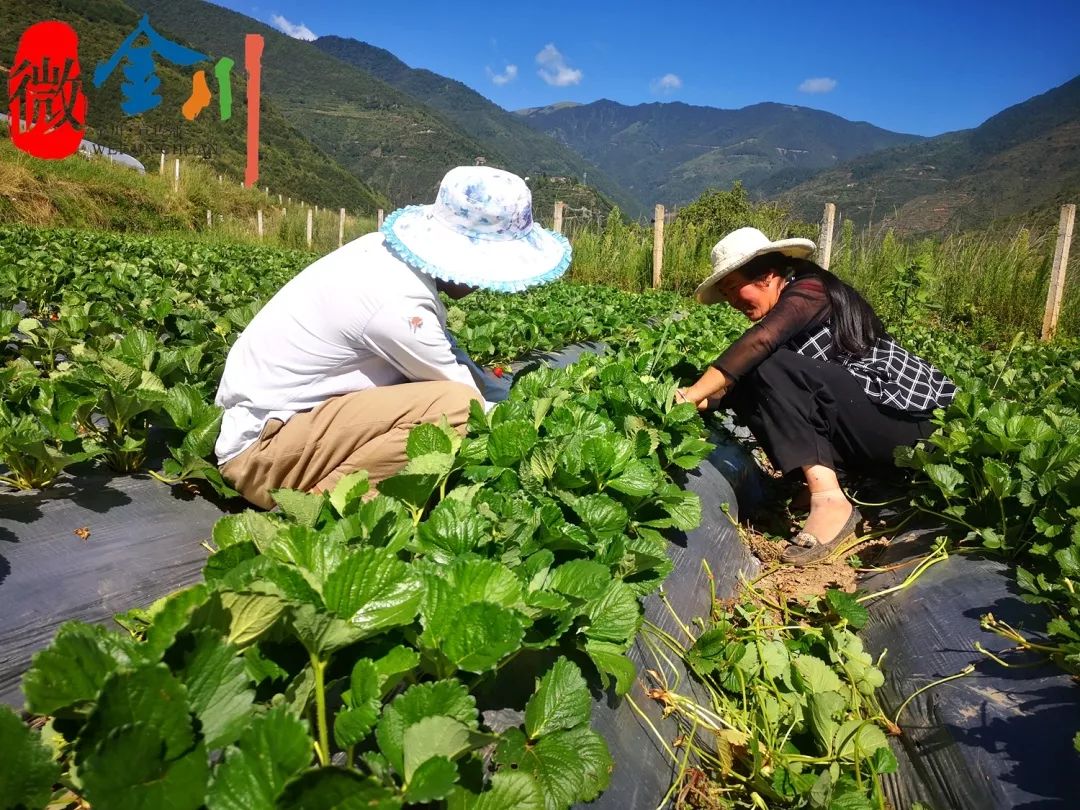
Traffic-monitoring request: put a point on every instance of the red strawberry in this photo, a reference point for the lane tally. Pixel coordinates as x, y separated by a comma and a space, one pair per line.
498, 371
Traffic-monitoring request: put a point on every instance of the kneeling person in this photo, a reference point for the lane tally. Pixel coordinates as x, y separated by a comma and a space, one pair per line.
351, 354
817, 378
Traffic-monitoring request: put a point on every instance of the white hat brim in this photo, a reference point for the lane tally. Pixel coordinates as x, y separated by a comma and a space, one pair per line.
707, 292
506, 265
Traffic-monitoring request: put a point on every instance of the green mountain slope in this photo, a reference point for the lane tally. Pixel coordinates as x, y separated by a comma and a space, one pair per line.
672, 152
526, 151
376, 132
289, 163
1024, 159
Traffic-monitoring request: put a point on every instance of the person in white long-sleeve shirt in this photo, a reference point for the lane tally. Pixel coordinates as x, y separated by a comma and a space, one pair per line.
351, 354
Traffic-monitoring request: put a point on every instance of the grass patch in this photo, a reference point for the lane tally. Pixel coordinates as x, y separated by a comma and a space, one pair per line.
993, 281
95, 193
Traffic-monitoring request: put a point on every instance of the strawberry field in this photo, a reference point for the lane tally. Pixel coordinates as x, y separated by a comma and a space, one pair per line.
347, 652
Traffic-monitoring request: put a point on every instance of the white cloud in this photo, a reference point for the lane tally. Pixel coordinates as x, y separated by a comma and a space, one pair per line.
667, 83
507, 76
553, 68
294, 30
822, 85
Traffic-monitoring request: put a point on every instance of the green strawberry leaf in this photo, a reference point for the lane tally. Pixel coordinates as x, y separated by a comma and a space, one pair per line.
427, 438
561, 700
392, 666
354, 722
453, 528
510, 790
847, 607
429, 737
72, 670
611, 661
347, 494
28, 772
446, 698
373, 590
256, 527
480, 636
815, 675
569, 766
434, 779
510, 441
273, 749
138, 747
129, 770
479, 580
583, 579
302, 508
615, 615
602, 515
218, 688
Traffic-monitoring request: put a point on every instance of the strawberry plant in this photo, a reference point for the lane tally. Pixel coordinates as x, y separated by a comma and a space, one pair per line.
118, 321
343, 644
1004, 467
498, 327
791, 718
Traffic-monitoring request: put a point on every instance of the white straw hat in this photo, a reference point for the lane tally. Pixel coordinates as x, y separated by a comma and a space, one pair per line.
738, 248
480, 232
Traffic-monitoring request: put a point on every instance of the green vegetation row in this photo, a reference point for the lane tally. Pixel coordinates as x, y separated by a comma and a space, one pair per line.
106, 337
347, 644
1003, 468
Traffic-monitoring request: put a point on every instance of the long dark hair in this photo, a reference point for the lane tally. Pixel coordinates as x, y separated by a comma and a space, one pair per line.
855, 325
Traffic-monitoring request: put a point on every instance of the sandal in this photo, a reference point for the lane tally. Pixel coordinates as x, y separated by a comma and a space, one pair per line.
806, 548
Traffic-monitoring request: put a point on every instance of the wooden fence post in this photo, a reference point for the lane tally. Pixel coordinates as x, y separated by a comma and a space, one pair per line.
220, 181
279, 199
209, 219
381, 218
176, 179
162, 162
309, 227
556, 224
825, 235
658, 247
259, 221
1057, 272
341, 228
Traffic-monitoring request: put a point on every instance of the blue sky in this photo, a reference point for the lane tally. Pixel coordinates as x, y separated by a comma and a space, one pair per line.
918, 67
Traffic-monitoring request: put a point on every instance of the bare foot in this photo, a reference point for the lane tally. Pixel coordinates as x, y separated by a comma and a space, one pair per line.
829, 511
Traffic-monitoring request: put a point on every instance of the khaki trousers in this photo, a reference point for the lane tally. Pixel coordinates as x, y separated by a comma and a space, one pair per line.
364, 430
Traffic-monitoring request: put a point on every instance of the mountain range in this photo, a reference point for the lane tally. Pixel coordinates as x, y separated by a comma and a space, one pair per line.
1024, 161
672, 152
524, 149
347, 123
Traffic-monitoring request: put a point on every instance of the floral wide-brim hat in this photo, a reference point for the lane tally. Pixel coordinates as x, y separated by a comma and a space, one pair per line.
479, 231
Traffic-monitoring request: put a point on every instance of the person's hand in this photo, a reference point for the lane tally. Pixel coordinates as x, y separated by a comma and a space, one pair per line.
680, 397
